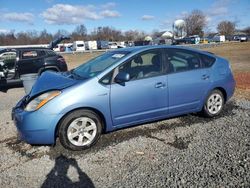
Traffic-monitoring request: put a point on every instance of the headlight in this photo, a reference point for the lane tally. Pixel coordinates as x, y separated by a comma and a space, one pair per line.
41, 100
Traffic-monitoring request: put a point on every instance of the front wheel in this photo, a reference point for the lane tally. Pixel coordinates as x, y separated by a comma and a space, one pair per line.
214, 104
80, 129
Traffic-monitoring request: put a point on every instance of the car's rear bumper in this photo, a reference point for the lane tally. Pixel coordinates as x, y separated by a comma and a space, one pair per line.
35, 127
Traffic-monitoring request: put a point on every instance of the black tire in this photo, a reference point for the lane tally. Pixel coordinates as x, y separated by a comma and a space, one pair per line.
66, 122
206, 111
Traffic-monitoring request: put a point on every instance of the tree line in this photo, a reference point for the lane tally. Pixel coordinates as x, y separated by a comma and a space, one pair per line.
79, 33
195, 24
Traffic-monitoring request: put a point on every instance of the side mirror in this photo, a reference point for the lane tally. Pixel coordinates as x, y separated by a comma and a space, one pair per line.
122, 77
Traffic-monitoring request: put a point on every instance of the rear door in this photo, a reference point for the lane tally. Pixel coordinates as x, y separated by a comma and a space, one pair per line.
188, 81
30, 61
145, 96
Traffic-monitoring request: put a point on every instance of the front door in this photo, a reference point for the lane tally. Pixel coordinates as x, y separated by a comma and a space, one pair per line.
145, 96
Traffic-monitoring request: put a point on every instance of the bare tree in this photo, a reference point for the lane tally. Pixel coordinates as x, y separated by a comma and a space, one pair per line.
80, 33
156, 33
195, 23
61, 32
133, 35
246, 30
106, 33
226, 28
45, 37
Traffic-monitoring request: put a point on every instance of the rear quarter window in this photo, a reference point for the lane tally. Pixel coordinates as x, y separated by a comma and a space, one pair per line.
51, 53
207, 61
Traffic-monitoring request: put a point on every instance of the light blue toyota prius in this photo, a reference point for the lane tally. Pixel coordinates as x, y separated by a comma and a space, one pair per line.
122, 88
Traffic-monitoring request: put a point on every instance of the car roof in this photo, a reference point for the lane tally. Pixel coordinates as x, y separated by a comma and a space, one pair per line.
32, 48
151, 47
24, 48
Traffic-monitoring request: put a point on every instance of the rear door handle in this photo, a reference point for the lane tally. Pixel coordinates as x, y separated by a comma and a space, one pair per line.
160, 85
205, 76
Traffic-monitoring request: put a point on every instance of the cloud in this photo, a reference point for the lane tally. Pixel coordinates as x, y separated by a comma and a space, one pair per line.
18, 17
219, 8
68, 14
49, 1
217, 11
147, 17
4, 31
110, 13
109, 5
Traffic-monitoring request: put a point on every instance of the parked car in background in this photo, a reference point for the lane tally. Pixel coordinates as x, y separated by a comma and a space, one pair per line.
187, 40
241, 38
129, 43
113, 45
122, 88
219, 38
142, 43
204, 41
17, 61
102, 44
78, 46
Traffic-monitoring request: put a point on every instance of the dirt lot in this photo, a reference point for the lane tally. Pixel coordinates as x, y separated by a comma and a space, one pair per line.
239, 56
187, 151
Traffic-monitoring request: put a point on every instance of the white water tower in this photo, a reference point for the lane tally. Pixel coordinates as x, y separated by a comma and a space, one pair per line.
178, 28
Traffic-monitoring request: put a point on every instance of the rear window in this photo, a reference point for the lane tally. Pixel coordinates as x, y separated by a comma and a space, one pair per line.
207, 61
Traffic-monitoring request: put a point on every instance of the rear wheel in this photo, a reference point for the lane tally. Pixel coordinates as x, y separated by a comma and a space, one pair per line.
80, 130
214, 104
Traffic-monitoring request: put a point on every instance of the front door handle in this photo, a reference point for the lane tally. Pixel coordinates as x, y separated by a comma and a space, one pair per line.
160, 85
205, 77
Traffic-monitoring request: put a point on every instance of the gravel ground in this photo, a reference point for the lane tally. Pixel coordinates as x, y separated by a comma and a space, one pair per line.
179, 152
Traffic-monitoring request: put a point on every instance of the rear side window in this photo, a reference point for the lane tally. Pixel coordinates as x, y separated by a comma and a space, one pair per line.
207, 61
29, 54
182, 60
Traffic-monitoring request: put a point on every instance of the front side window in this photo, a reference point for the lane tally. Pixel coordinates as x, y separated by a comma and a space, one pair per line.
182, 60
147, 64
8, 55
99, 64
9, 59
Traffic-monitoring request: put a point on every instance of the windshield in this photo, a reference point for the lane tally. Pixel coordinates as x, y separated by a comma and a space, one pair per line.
98, 64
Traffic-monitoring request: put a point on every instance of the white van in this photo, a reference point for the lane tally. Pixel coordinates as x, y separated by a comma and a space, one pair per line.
78, 45
219, 38
91, 45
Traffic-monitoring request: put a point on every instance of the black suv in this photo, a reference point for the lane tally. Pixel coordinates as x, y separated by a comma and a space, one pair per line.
17, 61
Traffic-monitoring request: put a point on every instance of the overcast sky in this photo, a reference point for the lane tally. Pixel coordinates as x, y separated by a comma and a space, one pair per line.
146, 15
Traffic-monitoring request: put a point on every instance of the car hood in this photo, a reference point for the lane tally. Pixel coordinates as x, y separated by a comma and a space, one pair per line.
52, 81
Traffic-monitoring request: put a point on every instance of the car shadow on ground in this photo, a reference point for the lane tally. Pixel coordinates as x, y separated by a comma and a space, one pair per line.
58, 177
4, 88
148, 130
